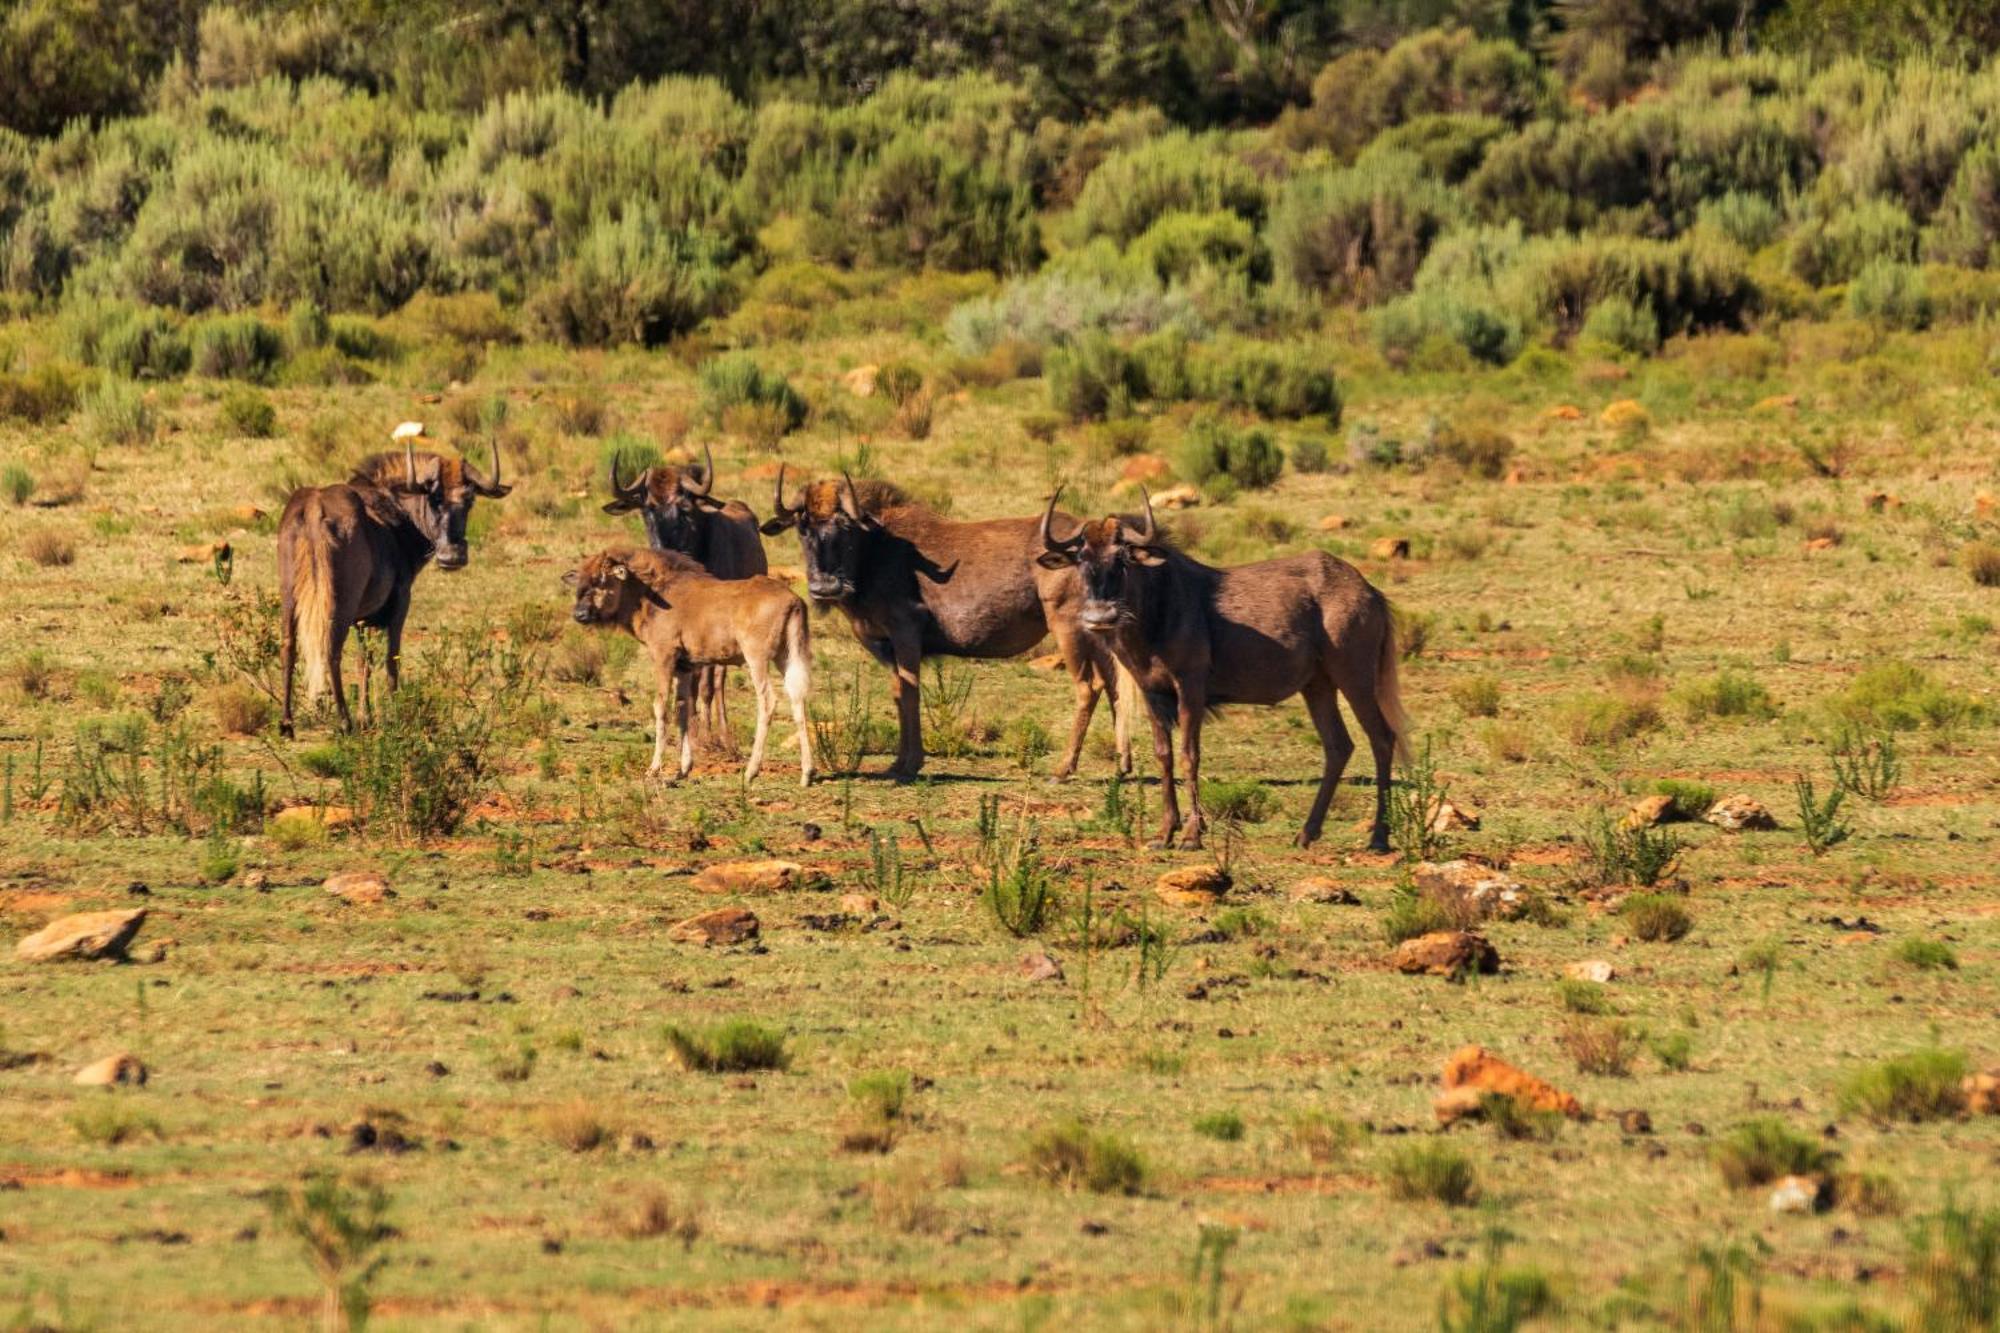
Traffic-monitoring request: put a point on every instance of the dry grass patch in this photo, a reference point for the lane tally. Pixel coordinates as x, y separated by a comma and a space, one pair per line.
49, 548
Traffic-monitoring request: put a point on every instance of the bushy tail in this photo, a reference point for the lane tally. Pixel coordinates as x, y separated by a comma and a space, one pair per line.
1388, 694
798, 653
312, 604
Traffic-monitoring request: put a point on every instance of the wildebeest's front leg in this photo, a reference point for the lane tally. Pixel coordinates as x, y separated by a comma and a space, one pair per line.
902, 653
339, 641
659, 730
1193, 703
1160, 712
1082, 663
684, 700
1338, 747
288, 652
393, 616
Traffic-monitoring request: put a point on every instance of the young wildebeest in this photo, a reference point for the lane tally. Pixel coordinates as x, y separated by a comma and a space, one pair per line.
681, 515
687, 620
1196, 637
348, 554
914, 584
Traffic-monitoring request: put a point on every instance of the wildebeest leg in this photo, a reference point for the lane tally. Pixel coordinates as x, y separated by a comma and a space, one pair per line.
1323, 703
333, 674
683, 707
760, 685
1159, 712
288, 652
659, 732
726, 736
797, 682
1082, 662
1124, 698
906, 685
1382, 740
1193, 699
392, 628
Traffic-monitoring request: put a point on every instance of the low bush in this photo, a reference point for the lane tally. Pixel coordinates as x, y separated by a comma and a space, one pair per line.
118, 412
1726, 694
1927, 955
577, 1125
1605, 1047
1220, 458
1982, 562
1657, 918
1606, 719
632, 281
1428, 1171
1245, 802
1760, 1151
1477, 696
1900, 696
42, 397
249, 413
1222, 1126
1176, 173
1920, 1086
736, 380
1070, 1156
240, 347
1686, 799
1892, 294
735, 1046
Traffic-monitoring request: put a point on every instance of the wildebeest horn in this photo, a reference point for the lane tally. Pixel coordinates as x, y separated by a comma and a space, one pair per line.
707, 475
482, 484
850, 503
1049, 541
620, 491
778, 505
1141, 538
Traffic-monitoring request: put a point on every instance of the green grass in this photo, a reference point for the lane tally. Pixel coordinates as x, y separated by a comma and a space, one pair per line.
1762, 1150
732, 1047
1920, 1086
1223, 1126
1071, 1156
1433, 1173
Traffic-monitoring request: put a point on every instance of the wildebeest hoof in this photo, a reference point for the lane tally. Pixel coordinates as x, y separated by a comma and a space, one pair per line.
1378, 844
285, 730
1305, 838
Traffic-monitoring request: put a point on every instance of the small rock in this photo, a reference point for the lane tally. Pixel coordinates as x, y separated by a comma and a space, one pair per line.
112, 1071
859, 904
1590, 969
82, 936
1635, 1122
1798, 1194
1821, 543
725, 925
360, 888
1039, 966
1192, 886
1320, 889
1473, 887
749, 877
1737, 813
1882, 502
247, 514
1479, 1069
1564, 412
256, 881
1183, 496
1334, 523
1648, 811
1982, 1092
860, 381
1446, 953
1453, 818
1390, 548
1456, 1104
203, 554
1047, 662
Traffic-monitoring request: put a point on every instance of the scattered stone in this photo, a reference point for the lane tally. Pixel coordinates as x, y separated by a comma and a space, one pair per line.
1564, 412
1472, 887
1590, 969
1446, 953
1798, 1194
725, 925
860, 381
1738, 813
1183, 496
1454, 818
1982, 1092
1477, 1068
112, 1071
1192, 886
82, 936
203, 553
1456, 1104
1648, 811
360, 888
749, 877
1320, 889
1390, 548
1635, 1122
1040, 966
860, 904
1334, 523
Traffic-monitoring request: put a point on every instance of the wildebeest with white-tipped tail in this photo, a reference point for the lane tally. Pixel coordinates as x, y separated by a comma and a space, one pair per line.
349, 553
687, 619
1196, 637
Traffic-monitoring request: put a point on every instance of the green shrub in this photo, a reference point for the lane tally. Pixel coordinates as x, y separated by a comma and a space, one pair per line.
143, 345
1927, 955
1750, 220
1480, 449
898, 381
1434, 1172
1624, 325
1273, 381
1824, 251
1890, 293
1211, 450
1982, 563
1359, 233
1760, 1151
1092, 377
1411, 330
736, 380
1658, 918
1175, 173
1687, 799
1179, 246
1244, 802
737, 1045
42, 397
1223, 1126
1920, 1086
1057, 306
117, 412
1068, 1155
1583, 997
1477, 696
922, 202
1309, 456
1606, 719
17, 484
1900, 696
247, 412
237, 347
1726, 694
632, 281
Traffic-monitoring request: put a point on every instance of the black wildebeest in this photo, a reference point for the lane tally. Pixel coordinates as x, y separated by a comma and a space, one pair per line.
687, 621
914, 584
349, 553
681, 515
1196, 637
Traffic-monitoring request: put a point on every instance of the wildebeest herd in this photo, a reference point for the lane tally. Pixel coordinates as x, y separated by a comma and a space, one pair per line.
1131, 614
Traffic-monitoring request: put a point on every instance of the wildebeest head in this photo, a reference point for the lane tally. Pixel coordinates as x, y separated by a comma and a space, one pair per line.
610, 585
671, 500
833, 530
1104, 552
437, 494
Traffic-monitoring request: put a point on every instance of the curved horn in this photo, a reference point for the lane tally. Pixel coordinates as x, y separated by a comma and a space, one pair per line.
778, 506
619, 490
850, 501
495, 482
1147, 537
485, 485
1049, 540
707, 475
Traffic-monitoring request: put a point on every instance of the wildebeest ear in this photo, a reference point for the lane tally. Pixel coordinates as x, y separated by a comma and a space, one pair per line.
1145, 555
707, 502
1056, 559
771, 527
570, 580
621, 572
620, 507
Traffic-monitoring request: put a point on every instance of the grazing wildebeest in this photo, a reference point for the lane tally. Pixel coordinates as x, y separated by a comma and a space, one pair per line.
681, 515
913, 583
1196, 637
687, 620
348, 554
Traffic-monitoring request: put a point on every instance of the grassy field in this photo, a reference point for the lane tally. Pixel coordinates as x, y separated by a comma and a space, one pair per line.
1702, 587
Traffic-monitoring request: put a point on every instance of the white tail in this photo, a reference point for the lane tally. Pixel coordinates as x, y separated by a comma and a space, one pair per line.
312, 603
1388, 695
798, 684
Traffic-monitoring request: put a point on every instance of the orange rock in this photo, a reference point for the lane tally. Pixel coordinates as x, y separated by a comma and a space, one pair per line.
1565, 412
1390, 548
860, 381
1648, 811
1182, 496
1446, 953
202, 554
1982, 1093
1983, 504
725, 925
1822, 543
1455, 1104
1047, 662
1476, 1067
1333, 523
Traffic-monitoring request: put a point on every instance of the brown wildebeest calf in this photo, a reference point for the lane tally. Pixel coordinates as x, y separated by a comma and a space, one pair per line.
914, 584
681, 515
1196, 637
349, 553
687, 620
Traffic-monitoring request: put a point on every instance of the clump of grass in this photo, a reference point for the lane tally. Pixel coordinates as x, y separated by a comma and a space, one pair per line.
110, 1122
17, 484
1982, 562
1920, 1086
1477, 696
221, 858
48, 548
1760, 1151
1068, 1155
33, 674
1606, 719
1675, 1051
1727, 694
1954, 1270
342, 1228
1605, 1047
1583, 997
1657, 918
876, 1114
1688, 799
1819, 819
1927, 955
1223, 1126
1240, 922
1513, 1119
516, 1065
248, 412
1432, 1171
902, 1200
1869, 1193
575, 1125
579, 659
116, 412
241, 709
1244, 802
1622, 855
736, 1046
1325, 1138
655, 1216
